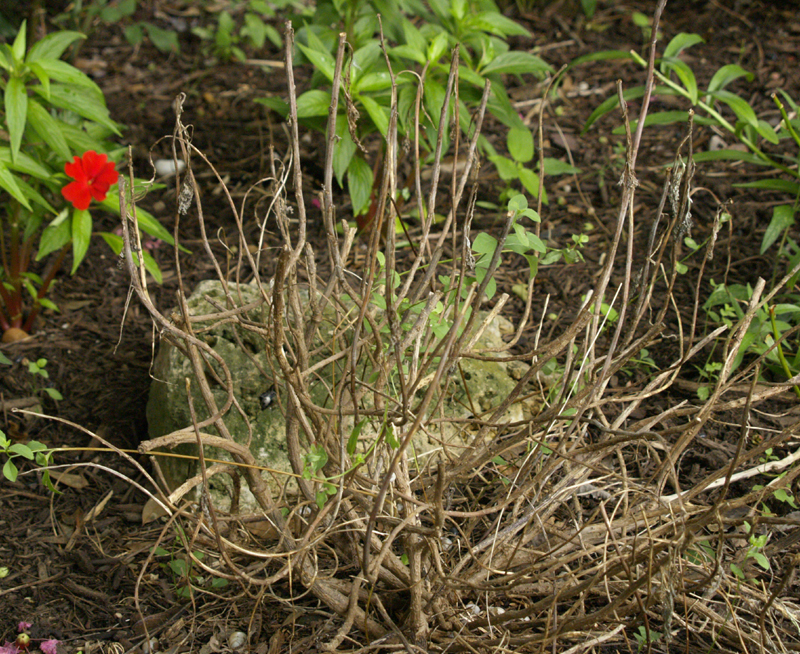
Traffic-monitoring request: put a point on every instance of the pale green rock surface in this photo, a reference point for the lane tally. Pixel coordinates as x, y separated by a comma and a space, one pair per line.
488, 383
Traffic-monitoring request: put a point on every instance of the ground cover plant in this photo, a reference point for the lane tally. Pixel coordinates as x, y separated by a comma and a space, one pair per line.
51, 110
583, 525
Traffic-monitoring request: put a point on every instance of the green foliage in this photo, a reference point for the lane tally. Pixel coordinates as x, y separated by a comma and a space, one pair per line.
645, 637
719, 107
230, 33
30, 451
37, 368
181, 567
51, 112
727, 305
755, 545
83, 15
422, 49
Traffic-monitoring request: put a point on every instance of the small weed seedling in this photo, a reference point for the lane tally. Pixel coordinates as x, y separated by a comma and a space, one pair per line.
181, 567
32, 450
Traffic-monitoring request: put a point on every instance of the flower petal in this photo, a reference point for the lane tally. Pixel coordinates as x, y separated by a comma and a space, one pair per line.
75, 169
93, 163
78, 193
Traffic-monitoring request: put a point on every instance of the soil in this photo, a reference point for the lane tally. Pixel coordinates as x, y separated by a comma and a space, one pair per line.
73, 558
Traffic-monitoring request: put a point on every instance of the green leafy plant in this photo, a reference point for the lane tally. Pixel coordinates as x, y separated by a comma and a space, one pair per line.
420, 58
645, 637
83, 15
182, 568
30, 451
37, 369
229, 34
714, 106
755, 545
767, 329
50, 111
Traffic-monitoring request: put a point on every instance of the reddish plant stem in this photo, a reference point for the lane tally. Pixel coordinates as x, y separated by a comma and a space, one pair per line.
53, 268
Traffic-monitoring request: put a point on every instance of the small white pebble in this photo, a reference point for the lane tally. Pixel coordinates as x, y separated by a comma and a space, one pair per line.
237, 640
165, 167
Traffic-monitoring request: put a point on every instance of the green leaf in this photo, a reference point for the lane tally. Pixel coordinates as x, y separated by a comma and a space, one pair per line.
146, 220
495, 23
23, 450
164, 40
364, 59
33, 195
116, 12
18, 47
255, 29
6, 60
61, 71
48, 129
743, 111
414, 40
782, 185
52, 46
437, 47
536, 243
530, 180
610, 104
685, 75
726, 75
316, 458
518, 203
313, 103
16, 104
151, 266
407, 52
516, 62
729, 155
377, 113
359, 182
82, 101
343, 151
81, 235
352, 442
321, 60
558, 167
605, 55
55, 236
520, 144
680, 43
766, 131
485, 245
276, 104
372, 82
782, 219
506, 168
42, 76
9, 182
25, 164
134, 34
588, 7
10, 471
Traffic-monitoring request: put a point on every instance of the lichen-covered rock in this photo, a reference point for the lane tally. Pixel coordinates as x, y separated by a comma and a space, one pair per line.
263, 429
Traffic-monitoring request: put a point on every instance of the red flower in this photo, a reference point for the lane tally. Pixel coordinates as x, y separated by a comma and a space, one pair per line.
93, 175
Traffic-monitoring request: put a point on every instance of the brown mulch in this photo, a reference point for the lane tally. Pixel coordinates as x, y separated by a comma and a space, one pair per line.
74, 578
